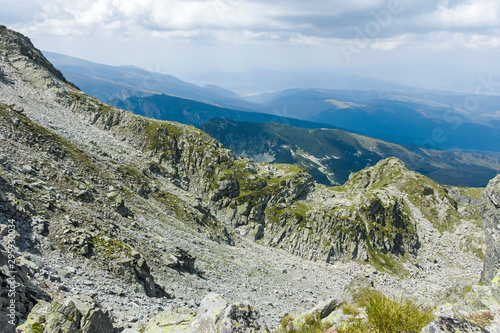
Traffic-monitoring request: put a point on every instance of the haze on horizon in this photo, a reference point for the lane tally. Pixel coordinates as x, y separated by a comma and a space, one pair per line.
185, 37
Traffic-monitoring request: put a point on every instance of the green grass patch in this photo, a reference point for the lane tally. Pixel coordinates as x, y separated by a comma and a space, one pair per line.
387, 315
311, 323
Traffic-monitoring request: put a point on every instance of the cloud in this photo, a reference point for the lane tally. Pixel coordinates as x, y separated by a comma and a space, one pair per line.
454, 23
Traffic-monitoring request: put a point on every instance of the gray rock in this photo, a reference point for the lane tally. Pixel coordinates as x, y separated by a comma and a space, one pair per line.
452, 325
216, 315
171, 320
325, 308
208, 314
491, 217
74, 316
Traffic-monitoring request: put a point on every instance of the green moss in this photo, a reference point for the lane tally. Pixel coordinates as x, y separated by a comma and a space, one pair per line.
111, 248
471, 192
37, 327
174, 204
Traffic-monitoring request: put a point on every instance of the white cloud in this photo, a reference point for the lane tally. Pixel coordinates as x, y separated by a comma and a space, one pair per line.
479, 13
471, 24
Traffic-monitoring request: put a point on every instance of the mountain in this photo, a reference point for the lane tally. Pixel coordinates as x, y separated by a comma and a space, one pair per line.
330, 155
191, 112
112, 83
423, 119
111, 221
410, 116
403, 76
256, 82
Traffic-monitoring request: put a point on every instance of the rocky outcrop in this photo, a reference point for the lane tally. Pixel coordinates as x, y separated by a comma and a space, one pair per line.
18, 293
71, 316
20, 52
491, 217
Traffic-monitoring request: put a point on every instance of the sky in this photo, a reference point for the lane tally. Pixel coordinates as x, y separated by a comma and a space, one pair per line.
185, 36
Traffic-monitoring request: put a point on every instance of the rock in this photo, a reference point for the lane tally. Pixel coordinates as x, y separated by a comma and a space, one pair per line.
121, 209
26, 293
181, 260
172, 320
73, 316
209, 311
324, 309
85, 195
491, 217
137, 273
97, 320
452, 325
216, 315
241, 318
63, 318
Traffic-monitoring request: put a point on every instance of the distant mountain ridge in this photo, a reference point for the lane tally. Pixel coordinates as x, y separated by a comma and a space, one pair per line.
331, 155
396, 113
112, 83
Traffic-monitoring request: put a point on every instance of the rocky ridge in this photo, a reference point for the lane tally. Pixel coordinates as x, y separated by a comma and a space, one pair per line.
112, 209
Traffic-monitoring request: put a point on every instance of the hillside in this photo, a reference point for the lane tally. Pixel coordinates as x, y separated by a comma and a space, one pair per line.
116, 83
124, 222
195, 113
330, 155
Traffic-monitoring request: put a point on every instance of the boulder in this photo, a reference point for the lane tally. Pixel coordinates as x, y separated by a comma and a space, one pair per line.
136, 272
16, 275
216, 315
172, 320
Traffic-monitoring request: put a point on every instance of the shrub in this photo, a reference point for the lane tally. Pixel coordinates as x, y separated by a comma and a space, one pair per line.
384, 315
350, 309
311, 324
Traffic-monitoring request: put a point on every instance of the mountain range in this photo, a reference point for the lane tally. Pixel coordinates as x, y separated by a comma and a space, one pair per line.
115, 222
331, 155
419, 120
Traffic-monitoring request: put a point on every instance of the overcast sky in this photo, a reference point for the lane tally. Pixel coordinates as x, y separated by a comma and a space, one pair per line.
178, 36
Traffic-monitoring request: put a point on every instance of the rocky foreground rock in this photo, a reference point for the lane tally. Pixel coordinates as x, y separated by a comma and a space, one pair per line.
125, 221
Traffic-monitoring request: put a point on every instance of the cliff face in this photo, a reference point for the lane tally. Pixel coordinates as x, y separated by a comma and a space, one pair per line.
129, 209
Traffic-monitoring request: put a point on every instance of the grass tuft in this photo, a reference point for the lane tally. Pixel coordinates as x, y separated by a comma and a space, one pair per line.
386, 315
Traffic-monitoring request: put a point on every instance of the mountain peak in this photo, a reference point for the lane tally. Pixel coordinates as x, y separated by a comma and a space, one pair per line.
18, 50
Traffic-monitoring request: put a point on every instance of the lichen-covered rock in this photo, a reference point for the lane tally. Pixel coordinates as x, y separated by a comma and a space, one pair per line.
491, 217
72, 316
172, 320
240, 318
136, 272
452, 325
208, 314
216, 315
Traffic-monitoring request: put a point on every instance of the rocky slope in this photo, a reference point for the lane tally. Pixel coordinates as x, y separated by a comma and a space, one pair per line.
118, 218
